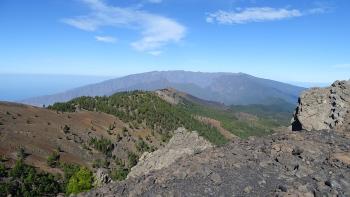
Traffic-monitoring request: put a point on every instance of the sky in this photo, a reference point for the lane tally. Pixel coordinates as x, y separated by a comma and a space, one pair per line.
284, 40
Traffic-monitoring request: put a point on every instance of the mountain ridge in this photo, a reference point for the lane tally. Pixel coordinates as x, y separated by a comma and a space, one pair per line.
228, 88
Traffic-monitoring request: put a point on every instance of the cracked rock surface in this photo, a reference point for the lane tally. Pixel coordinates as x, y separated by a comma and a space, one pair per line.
182, 143
304, 163
324, 108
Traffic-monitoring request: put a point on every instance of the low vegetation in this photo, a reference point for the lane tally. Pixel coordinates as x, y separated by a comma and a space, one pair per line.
25, 180
80, 181
53, 159
132, 159
120, 173
103, 145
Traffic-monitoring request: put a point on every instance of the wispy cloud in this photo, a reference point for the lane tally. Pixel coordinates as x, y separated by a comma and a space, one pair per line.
108, 39
257, 14
156, 30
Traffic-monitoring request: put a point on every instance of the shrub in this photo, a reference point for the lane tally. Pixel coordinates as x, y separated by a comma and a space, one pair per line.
3, 172
119, 162
21, 153
103, 145
132, 159
53, 159
120, 173
142, 146
80, 181
66, 129
98, 163
119, 138
69, 170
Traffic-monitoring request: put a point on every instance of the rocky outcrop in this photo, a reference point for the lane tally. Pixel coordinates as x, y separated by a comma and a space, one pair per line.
286, 164
181, 144
324, 108
102, 177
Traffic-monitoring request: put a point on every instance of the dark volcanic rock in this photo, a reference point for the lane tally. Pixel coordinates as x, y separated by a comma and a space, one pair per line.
303, 164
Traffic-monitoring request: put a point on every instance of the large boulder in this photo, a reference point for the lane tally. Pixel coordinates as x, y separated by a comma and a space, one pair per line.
324, 108
181, 144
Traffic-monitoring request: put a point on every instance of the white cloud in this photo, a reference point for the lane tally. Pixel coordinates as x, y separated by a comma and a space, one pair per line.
156, 30
108, 39
258, 14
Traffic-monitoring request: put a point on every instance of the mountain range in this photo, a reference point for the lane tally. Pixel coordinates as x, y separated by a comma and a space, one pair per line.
226, 88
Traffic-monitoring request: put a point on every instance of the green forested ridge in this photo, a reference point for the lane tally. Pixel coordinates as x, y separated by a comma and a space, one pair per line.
147, 108
267, 117
144, 108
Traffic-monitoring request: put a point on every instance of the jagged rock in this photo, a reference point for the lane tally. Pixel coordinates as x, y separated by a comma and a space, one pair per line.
102, 177
324, 108
182, 143
315, 165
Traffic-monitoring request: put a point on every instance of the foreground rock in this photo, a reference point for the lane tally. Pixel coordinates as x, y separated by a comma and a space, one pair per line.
181, 144
287, 164
102, 177
324, 108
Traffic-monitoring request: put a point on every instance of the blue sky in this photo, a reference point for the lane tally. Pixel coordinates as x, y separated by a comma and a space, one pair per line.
285, 40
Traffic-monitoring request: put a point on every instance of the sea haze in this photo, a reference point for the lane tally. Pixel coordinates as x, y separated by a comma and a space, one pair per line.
15, 87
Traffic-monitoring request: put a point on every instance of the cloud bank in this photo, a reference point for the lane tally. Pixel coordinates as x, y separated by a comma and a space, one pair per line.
257, 14
156, 31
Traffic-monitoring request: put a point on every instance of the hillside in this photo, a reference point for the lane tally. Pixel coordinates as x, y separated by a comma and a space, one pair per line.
59, 143
113, 132
101, 132
143, 108
228, 88
240, 120
314, 161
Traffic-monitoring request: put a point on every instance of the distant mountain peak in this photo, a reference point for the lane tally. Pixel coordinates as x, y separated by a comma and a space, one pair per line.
219, 87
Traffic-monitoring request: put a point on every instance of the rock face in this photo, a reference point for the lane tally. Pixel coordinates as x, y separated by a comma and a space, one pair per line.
324, 108
102, 177
286, 164
181, 144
